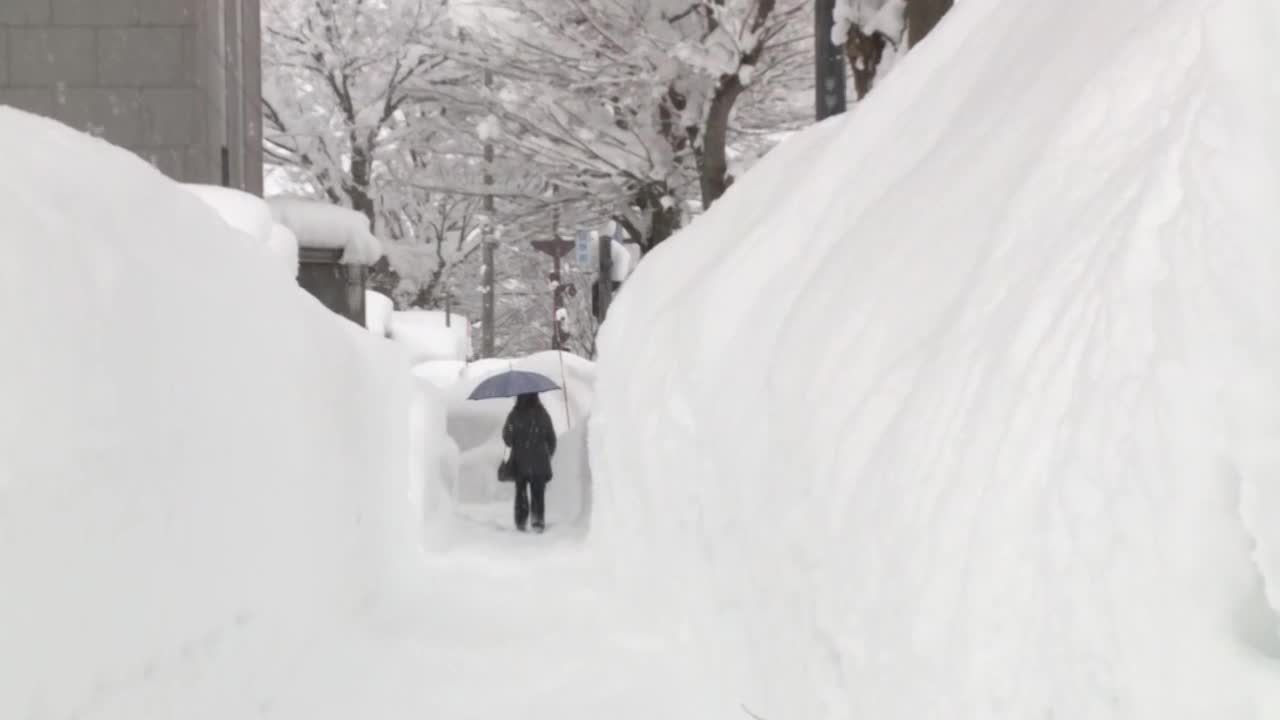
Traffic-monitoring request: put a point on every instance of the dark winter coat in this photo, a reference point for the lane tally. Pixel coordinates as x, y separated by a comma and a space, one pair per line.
532, 439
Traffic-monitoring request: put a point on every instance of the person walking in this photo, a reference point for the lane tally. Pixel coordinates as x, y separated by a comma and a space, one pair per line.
532, 439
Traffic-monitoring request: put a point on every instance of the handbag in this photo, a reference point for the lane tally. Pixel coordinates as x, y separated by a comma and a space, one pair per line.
506, 470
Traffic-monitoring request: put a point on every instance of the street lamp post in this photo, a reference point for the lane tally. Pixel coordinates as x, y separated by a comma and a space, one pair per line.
488, 307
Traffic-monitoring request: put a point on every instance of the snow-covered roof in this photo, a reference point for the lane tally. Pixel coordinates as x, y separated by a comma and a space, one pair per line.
320, 224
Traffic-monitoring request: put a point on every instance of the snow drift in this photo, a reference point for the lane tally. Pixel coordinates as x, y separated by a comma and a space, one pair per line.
377, 312
435, 461
251, 215
431, 335
967, 406
204, 474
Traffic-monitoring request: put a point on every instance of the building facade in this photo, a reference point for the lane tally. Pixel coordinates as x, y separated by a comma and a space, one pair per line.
176, 81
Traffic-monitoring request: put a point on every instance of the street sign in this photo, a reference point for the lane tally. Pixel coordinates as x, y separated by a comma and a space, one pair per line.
555, 248
584, 248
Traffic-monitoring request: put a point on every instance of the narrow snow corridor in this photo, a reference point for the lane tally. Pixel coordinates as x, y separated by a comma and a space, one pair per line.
964, 405
520, 625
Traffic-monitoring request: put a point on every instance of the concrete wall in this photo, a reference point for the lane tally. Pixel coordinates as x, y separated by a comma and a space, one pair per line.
175, 81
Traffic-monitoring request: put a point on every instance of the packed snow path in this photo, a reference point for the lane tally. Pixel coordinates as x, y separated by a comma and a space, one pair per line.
513, 626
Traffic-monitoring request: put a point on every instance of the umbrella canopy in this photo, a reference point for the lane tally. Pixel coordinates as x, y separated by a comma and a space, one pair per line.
512, 383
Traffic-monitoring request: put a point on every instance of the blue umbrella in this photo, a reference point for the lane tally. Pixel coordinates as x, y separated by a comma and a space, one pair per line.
512, 383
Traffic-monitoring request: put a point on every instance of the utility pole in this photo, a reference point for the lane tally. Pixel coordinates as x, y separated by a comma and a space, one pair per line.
829, 85
605, 282
488, 312
557, 249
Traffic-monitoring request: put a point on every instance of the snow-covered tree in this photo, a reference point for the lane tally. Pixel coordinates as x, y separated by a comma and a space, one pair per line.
350, 116
875, 33
338, 75
625, 106
639, 111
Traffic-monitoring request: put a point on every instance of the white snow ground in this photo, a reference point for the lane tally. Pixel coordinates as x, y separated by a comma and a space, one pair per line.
208, 487
967, 407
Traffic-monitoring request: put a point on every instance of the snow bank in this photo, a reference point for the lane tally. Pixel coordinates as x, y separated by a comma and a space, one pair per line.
1000, 437
284, 244
429, 335
322, 225
569, 494
243, 211
250, 215
441, 373
202, 487
435, 461
377, 312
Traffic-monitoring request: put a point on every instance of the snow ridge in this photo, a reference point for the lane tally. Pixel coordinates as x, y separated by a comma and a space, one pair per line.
999, 438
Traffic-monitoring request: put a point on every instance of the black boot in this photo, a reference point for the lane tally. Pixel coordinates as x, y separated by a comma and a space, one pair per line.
522, 503
537, 491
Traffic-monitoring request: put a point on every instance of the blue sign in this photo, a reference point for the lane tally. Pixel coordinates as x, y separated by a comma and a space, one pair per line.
583, 247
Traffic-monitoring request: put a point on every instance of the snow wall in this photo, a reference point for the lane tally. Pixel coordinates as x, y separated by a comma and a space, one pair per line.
251, 215
967, 405
203, 472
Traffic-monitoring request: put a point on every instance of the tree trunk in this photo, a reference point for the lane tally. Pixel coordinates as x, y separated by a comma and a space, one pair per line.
357, 187
865, 53
922, 17
666, 221
383, 278
713, 160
